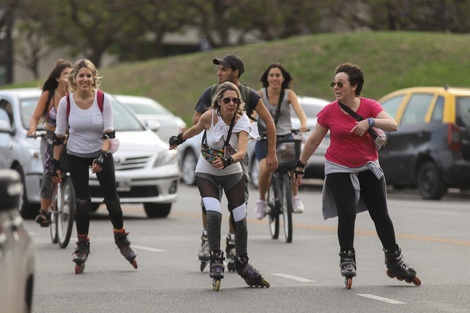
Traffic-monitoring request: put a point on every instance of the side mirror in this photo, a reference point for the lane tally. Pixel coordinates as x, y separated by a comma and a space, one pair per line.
153, 125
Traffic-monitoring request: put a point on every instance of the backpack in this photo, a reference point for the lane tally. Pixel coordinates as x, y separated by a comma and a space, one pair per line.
245, 92
100, 96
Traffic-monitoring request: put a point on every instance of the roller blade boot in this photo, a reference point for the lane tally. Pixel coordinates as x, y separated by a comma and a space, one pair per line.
216, 268
80, 255
348, 267
203, 254
251, 276
396, 267
124, 246
230, 252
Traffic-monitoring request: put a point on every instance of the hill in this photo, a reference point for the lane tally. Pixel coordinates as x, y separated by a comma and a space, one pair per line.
390, 60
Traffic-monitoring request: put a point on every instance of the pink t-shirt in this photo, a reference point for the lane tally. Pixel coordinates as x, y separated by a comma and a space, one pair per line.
347, 148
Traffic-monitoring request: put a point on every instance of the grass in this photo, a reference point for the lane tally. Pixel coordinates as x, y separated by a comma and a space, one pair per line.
390, 61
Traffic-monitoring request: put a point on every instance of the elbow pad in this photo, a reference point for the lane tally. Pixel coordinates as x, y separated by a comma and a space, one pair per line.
109, 135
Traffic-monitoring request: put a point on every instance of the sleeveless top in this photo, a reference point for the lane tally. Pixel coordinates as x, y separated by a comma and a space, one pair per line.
283, 125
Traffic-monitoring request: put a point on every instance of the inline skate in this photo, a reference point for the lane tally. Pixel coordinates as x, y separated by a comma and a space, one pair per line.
396, 267
251, 276
217, 268
124, 245
230, 252
80, 255
348, 266
203, 254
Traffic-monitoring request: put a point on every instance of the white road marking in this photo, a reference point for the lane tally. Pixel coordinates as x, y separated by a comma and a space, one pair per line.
300, 279
381, 299
147, 249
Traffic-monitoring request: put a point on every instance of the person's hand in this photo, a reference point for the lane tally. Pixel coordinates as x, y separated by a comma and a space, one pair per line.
174, 141
57, 174
361, 128
271, 161
303, 129
96, 167
31, 134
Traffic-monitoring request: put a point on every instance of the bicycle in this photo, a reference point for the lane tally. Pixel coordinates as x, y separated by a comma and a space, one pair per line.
279, 198
62, 207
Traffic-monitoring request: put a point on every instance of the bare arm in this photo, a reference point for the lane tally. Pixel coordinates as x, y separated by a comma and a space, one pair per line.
38, 111
294, 102
263, 113
203, 123
196, 117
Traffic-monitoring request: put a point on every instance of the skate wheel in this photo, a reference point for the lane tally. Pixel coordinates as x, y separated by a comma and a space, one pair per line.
134, 263
416, 281
203, 265
216, 284
265, 283
79, 268
348, 282
390, 274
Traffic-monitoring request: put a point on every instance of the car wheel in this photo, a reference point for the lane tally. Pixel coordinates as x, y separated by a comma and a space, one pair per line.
157, 210
27, 210
254, 171
189, 167
430, 184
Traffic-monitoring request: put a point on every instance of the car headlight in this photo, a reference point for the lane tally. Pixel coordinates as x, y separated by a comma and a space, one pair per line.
165, 158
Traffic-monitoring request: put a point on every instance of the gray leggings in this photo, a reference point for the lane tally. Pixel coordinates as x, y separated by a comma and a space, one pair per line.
234, 188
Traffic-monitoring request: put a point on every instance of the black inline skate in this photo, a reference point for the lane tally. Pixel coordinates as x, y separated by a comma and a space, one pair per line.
80, 255
203, 254
348, 266
230, 252
217, 268
396, 267
251, 276
124, 245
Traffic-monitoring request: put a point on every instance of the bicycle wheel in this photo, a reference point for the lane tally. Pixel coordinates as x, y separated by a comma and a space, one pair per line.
66, 212
273, 204
53, 210
287, 205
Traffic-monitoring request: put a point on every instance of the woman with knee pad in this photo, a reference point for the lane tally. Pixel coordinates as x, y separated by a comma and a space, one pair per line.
227, 129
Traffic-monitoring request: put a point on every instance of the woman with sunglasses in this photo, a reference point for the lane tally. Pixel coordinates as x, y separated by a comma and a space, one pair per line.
354, 181
226, 127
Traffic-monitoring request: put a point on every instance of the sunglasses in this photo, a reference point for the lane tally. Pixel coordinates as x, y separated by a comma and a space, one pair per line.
234, 100
339, 84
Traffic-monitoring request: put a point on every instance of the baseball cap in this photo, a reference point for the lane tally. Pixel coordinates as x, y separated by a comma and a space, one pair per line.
232, 61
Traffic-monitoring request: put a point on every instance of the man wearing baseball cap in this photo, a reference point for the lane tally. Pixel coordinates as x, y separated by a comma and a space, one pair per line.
230, 68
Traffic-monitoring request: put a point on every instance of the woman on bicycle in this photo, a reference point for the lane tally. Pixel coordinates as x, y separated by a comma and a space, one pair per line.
53, 89
90, 130
354, 181
278, 98
226, 126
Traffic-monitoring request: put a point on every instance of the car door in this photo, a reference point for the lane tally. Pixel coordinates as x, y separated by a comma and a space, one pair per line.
5, 135
398, 158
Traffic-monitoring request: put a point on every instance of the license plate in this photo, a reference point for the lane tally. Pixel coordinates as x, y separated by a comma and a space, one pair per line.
123, 185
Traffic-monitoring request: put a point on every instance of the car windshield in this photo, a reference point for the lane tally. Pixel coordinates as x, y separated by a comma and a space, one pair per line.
463, 111
147, 108
28, 105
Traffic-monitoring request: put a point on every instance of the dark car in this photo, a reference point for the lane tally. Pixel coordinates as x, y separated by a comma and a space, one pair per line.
16, 248
431, 149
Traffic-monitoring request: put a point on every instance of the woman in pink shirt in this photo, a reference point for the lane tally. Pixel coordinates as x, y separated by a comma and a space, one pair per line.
354, 181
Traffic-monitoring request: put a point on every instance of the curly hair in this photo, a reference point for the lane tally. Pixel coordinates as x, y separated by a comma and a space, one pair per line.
355, 74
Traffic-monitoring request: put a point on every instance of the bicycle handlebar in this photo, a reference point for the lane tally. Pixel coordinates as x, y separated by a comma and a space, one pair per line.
38, 133
293, 131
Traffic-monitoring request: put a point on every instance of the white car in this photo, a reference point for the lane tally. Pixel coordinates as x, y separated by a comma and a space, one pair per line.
148, 110
16, 249
146, 171
188, 152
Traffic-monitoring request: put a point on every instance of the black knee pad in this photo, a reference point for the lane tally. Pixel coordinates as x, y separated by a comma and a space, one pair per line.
83, 206
113, 206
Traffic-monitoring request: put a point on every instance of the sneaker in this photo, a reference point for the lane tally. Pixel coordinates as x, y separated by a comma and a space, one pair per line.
260, 209
43, 218
297, 205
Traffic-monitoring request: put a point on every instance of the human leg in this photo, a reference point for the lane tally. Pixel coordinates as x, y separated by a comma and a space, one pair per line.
264, 180
297, 205
44, 216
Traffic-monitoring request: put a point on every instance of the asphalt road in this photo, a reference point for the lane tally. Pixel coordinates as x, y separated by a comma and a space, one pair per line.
304, 275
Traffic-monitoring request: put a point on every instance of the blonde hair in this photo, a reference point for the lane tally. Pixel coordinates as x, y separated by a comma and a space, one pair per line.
76, 68
219, 94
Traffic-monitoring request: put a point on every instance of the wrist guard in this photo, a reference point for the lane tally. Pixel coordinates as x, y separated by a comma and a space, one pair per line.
297, 173
227, 161
56, 141
176, 140
300, 164
101, 157
109, 135
55, 167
